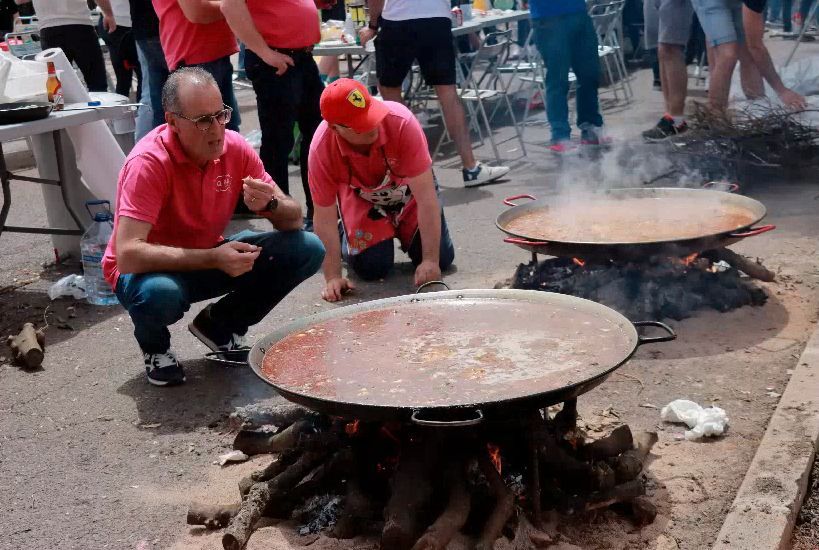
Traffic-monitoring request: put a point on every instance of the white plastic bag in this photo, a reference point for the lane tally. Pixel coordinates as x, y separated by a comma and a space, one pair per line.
70, 285
702, 421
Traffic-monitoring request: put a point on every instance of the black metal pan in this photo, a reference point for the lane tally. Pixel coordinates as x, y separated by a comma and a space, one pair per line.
631, 224
24, 111
458, 354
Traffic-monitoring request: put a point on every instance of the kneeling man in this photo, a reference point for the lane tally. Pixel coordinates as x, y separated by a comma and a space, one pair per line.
176, 194
369, 161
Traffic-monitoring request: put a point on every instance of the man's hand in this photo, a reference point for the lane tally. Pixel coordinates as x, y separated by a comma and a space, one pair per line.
427, 271
256, 194
236, 258
336, 288
366, 34
278, 60
109, 23
792, 100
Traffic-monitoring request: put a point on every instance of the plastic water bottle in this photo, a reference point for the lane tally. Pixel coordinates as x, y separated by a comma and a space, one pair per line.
92, 247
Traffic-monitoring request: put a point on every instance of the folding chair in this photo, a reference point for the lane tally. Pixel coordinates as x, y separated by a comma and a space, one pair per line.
24, 45
607, 18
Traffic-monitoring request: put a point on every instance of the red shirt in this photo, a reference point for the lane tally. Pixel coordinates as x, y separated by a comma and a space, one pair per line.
286, 23
371, 189
187, 207
191, 43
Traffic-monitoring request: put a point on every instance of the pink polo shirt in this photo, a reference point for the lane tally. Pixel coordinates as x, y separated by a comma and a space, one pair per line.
289, 24
187, 207
191, 43
332, 161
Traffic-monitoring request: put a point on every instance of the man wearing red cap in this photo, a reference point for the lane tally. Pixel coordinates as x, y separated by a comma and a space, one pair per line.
369, 161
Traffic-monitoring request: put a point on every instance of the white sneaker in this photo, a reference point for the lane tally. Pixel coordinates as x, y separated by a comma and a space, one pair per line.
483, 174
163, 369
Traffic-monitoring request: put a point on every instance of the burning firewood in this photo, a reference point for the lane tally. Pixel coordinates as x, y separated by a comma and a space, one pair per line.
253, 442
752, 269
411, 492
454, 516
628, 465
211, 516
27, 347
504, 503
617, 442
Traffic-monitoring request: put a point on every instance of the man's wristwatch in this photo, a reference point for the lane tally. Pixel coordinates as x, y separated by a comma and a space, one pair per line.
272, 205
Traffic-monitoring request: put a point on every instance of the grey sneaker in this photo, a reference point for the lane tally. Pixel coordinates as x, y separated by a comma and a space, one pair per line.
483, 174
163, 369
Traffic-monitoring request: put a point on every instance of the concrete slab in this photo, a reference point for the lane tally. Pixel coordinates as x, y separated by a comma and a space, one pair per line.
763, 513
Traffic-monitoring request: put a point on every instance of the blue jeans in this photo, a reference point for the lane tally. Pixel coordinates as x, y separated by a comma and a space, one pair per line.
569, 42
222, 71
157, 300
154, 75
376, 261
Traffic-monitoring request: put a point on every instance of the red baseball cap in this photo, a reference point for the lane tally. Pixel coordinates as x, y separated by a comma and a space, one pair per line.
348, 103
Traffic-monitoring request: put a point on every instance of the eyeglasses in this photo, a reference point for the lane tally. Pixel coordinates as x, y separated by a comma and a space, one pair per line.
204, 122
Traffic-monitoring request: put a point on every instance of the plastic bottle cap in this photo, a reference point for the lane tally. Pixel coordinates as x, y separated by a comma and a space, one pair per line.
94, 103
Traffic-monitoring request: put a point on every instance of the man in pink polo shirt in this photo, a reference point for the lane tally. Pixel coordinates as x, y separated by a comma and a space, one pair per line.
194, 33
279, 36
370, 162
176, 194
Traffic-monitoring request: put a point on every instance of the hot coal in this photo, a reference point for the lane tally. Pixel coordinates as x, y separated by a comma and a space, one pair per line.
658, 289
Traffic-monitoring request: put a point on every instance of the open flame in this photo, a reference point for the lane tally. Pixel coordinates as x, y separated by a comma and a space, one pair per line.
351, 428
690, 259
578, 261
494, 456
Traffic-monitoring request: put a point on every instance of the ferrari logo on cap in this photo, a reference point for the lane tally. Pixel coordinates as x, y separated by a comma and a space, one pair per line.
357, 99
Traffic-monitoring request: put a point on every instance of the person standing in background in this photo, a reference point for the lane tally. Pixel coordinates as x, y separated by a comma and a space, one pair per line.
122, 48
566, 39
328, 64
410, 30
279, 38
145, 27
193, 33
66, 24
8, 9
668, 28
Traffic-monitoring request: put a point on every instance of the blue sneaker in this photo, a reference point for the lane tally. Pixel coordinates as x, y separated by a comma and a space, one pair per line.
163, 369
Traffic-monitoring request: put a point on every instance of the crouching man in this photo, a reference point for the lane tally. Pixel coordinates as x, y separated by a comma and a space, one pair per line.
369, 161
176, 194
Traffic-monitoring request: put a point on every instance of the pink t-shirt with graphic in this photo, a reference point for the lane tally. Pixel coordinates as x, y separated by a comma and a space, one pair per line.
187, 206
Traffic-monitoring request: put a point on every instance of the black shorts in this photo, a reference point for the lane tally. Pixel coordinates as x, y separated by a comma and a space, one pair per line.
399, 43
337, 12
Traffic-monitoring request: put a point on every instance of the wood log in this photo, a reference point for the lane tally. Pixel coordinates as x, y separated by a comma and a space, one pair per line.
604, 476
533, 482
643, 511
411, 491
617, 442
628, 465
260, 497
255, 416
253, 442
211, 516
268, 472
27, 347
504, 504
752, 269
559, 463
566, 418
625, 492
358, 508
454, 516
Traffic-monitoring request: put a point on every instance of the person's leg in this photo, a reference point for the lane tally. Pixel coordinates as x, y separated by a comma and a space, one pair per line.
447, 251
80, 44
787, 23
455, 120
552, 41
586, 65
222, 71
145, 113
277, 103
651, 26
123, 72
155, 70
719, 21
394, 53
329, 68
753, 85
127, 49
309, 118
675, 17
287, 259
372, 263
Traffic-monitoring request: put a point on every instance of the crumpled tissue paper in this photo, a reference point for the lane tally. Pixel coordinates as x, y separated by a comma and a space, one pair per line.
702, 421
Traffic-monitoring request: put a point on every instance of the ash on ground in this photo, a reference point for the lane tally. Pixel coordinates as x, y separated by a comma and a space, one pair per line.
654, 290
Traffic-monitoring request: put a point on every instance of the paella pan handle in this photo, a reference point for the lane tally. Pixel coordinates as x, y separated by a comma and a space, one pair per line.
653, 340
430, 283
731, 187
524, 242
416, 419
752, 232
508, 200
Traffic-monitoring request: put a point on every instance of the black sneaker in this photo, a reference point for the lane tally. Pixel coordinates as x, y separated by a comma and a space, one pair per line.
664, 130
163, 369
214, 336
